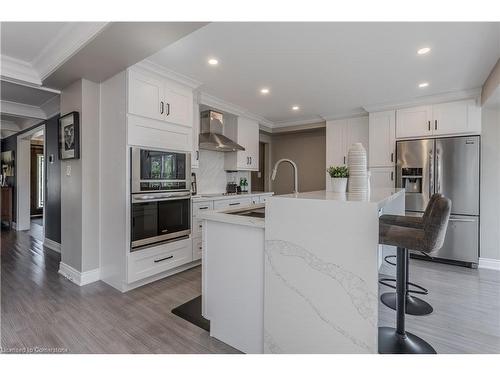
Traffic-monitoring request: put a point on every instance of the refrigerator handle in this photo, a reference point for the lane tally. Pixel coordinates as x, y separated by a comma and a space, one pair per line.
438, 173
431, 174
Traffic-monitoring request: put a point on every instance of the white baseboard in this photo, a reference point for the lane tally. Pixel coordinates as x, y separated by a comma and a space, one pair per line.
492, 264
77, 277
52, 245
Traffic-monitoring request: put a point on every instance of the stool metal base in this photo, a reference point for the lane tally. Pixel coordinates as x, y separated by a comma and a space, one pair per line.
390, 342
414, 305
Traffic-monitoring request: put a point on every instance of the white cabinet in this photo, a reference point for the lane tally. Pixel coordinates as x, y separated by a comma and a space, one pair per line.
195, 156
382, 138
453, 118
158, 98
382, 177
414, 122
146, 92
232, 203
340, 135
245, 132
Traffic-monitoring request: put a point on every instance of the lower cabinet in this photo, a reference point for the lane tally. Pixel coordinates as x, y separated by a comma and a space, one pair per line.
383, 177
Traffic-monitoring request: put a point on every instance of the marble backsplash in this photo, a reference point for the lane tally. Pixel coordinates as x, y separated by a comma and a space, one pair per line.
211, 176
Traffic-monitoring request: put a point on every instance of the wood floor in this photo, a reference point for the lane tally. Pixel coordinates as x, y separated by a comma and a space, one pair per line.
40, 308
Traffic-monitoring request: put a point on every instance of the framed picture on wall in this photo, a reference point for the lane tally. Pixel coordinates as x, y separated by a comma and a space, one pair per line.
69, 136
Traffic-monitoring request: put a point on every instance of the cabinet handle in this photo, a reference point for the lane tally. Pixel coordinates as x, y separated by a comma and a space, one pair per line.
234, 204
161, 108
429, 123
162, 259
197, 155
250, 160
168, 109
435, 124
392, 176
344, 159
392, 157
203, 208
200, 248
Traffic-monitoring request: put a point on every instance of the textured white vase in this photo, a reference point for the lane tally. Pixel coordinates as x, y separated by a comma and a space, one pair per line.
357, 164
339, 184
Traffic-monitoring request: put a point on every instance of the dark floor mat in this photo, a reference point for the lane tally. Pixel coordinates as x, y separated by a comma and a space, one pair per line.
191, 311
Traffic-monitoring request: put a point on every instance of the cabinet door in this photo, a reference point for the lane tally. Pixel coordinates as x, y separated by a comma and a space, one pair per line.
449, 118
414, 122
382, 178
382, 138
195, 156
336, 153
178, 105
248, 137
145, 95
357, 132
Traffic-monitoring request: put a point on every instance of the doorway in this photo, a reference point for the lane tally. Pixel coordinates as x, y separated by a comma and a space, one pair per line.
31, 182
258, 178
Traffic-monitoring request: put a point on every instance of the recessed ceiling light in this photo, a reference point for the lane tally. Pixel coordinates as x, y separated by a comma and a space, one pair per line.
295, 107
213, 61
423, 51
423, 84
264, 91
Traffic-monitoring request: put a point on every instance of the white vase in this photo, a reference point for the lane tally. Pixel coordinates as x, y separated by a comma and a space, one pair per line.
357, 164
339, 184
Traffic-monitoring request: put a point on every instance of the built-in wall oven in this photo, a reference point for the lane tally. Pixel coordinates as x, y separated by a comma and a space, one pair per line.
161, 196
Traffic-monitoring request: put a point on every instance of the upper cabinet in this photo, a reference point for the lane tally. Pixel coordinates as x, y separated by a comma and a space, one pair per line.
341, 134
382, 131
245, 132
158, 98
454, 118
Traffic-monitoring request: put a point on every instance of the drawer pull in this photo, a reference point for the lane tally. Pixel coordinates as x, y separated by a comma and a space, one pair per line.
162, 259
199, 248
234, 204
203, 208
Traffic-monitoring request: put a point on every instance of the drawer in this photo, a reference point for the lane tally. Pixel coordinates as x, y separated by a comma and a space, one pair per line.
202, 206
263, 198
151, 261
232, 203
197, 248
197, 227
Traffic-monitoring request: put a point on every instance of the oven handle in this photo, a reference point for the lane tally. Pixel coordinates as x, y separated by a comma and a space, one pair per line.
160, 197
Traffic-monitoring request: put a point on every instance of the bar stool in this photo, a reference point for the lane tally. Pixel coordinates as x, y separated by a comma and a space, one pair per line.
427, 239
414, 305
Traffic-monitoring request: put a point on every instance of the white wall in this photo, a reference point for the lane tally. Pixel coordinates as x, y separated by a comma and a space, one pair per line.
490, 183
211, 176
80, 189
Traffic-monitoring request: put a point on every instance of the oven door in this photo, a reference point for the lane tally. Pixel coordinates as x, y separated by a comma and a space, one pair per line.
159, 217
156, 170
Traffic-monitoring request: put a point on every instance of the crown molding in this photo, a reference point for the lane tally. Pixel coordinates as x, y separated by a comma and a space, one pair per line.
70, 39
344, 115
167, 73
427, 100
10, 126
18, 71
225, 106
22, 110
303, 121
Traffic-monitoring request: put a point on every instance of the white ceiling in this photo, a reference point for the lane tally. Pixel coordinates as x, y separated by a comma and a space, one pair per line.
332, 69
26, 40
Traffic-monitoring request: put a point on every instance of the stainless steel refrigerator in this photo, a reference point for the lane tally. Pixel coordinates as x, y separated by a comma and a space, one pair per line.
449, 166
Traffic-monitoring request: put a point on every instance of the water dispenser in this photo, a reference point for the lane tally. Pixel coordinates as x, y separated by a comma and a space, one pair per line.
412, 179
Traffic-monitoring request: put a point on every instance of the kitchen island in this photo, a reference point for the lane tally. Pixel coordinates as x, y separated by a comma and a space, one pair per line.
302, 280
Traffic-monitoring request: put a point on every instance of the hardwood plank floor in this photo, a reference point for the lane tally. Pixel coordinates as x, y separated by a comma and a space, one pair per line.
40, 308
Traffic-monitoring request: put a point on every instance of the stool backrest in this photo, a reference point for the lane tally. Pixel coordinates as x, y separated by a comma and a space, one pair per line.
436, 223
428, 209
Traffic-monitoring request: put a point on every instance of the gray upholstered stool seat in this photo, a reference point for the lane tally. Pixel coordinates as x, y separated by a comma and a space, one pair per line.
414, 305
427, 238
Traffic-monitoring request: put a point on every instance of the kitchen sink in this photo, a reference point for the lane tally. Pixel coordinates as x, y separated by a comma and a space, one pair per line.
251, 212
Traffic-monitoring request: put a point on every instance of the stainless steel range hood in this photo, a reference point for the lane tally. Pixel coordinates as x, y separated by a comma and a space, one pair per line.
211, 137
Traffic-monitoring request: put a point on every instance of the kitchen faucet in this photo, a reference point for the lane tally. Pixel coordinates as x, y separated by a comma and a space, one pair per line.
295, 173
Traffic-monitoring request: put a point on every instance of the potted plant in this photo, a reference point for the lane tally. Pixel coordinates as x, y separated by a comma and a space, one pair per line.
339, 175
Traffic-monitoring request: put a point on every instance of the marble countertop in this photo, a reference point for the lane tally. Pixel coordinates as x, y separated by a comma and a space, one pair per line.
377, 196
225, 216
220, 196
